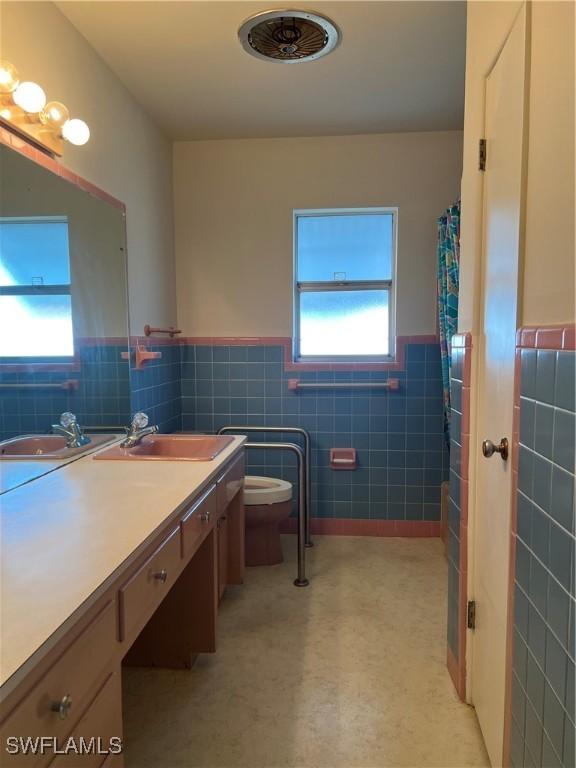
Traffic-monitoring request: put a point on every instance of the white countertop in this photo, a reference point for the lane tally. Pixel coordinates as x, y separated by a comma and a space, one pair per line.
64, 535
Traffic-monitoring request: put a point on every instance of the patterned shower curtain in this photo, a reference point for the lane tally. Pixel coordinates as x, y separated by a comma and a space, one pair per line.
448, 272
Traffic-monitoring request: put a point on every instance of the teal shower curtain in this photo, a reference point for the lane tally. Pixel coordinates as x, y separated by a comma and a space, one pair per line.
448, 271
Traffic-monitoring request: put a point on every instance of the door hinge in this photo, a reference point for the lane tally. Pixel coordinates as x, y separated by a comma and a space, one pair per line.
471, 614
482, 155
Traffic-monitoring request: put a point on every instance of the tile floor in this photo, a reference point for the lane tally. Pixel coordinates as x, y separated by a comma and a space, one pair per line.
347, 673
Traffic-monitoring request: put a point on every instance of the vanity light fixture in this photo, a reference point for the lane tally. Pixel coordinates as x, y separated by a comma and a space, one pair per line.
24, 107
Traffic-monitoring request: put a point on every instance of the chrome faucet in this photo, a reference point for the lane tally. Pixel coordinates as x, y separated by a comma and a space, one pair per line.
71, 430
138, 429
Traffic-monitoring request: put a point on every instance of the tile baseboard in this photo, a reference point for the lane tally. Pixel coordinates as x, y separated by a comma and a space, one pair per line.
363, 527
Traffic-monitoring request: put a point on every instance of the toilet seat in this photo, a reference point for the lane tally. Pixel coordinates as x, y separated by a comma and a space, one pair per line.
266, 490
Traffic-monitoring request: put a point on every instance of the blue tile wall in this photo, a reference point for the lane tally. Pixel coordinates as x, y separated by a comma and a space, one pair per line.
455, 501
102, 398
156, 388
544, 596
398, 435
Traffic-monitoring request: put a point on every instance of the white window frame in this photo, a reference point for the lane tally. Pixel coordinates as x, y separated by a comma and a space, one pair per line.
64, 289
300, 287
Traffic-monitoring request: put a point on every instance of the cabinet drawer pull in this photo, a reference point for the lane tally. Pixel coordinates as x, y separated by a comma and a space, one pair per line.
205, 517
62, 707
160, 575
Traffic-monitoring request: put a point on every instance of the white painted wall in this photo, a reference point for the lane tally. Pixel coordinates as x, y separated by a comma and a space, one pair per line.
127, 154
233, 220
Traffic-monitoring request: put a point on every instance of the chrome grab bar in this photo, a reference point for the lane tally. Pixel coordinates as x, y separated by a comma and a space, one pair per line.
301, 580
307, 463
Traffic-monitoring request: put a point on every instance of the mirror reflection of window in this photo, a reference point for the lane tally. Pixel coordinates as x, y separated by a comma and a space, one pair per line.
35, 300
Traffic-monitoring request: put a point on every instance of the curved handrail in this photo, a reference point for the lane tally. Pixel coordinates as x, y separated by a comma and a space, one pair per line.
301, 580
307, 463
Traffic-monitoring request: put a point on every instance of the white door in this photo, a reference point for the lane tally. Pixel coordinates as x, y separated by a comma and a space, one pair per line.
502, 224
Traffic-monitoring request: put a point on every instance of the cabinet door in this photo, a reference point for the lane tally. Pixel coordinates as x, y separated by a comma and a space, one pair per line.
222, 529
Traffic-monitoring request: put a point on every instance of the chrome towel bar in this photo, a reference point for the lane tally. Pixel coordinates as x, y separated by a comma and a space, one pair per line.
296, 384
171, 331
69, 384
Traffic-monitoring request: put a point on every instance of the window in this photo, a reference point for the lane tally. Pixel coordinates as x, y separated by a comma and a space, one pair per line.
344, 300
35, 301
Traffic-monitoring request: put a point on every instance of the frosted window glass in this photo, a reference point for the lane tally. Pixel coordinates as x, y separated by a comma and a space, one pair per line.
34, 253
39, 326
344, 323
345, 247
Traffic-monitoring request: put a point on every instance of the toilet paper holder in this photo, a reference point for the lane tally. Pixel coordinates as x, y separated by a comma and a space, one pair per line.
343, 458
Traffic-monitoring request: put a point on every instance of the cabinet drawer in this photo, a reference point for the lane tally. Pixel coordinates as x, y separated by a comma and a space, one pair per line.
71, 681
230, 483
140, 597
100, 723
198, 522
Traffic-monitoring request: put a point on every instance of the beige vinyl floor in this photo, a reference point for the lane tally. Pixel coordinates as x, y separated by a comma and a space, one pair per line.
346, 673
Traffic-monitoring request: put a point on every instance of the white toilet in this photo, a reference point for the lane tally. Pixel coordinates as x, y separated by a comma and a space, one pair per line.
267, 502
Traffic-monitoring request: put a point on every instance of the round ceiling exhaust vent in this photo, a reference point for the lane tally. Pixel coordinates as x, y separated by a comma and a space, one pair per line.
288, 36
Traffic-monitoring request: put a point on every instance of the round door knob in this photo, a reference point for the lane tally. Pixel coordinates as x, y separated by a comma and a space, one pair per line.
62, 707
489, 449
161, 575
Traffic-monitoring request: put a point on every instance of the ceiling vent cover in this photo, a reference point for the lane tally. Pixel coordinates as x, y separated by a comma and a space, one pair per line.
288, 36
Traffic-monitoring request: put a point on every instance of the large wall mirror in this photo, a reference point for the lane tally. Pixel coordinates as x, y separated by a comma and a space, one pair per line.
63, 303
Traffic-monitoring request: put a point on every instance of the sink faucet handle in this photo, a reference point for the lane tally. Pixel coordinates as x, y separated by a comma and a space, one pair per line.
69, 427
139, 420
68, 420
138, 429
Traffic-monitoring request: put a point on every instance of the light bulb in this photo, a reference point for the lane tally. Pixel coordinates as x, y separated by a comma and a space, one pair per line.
76, 132
8, 77
54, 114
29, 97
6, 113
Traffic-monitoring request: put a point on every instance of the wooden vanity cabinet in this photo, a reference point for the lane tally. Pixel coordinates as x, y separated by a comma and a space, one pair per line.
68, 684
160, 610
230, 510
